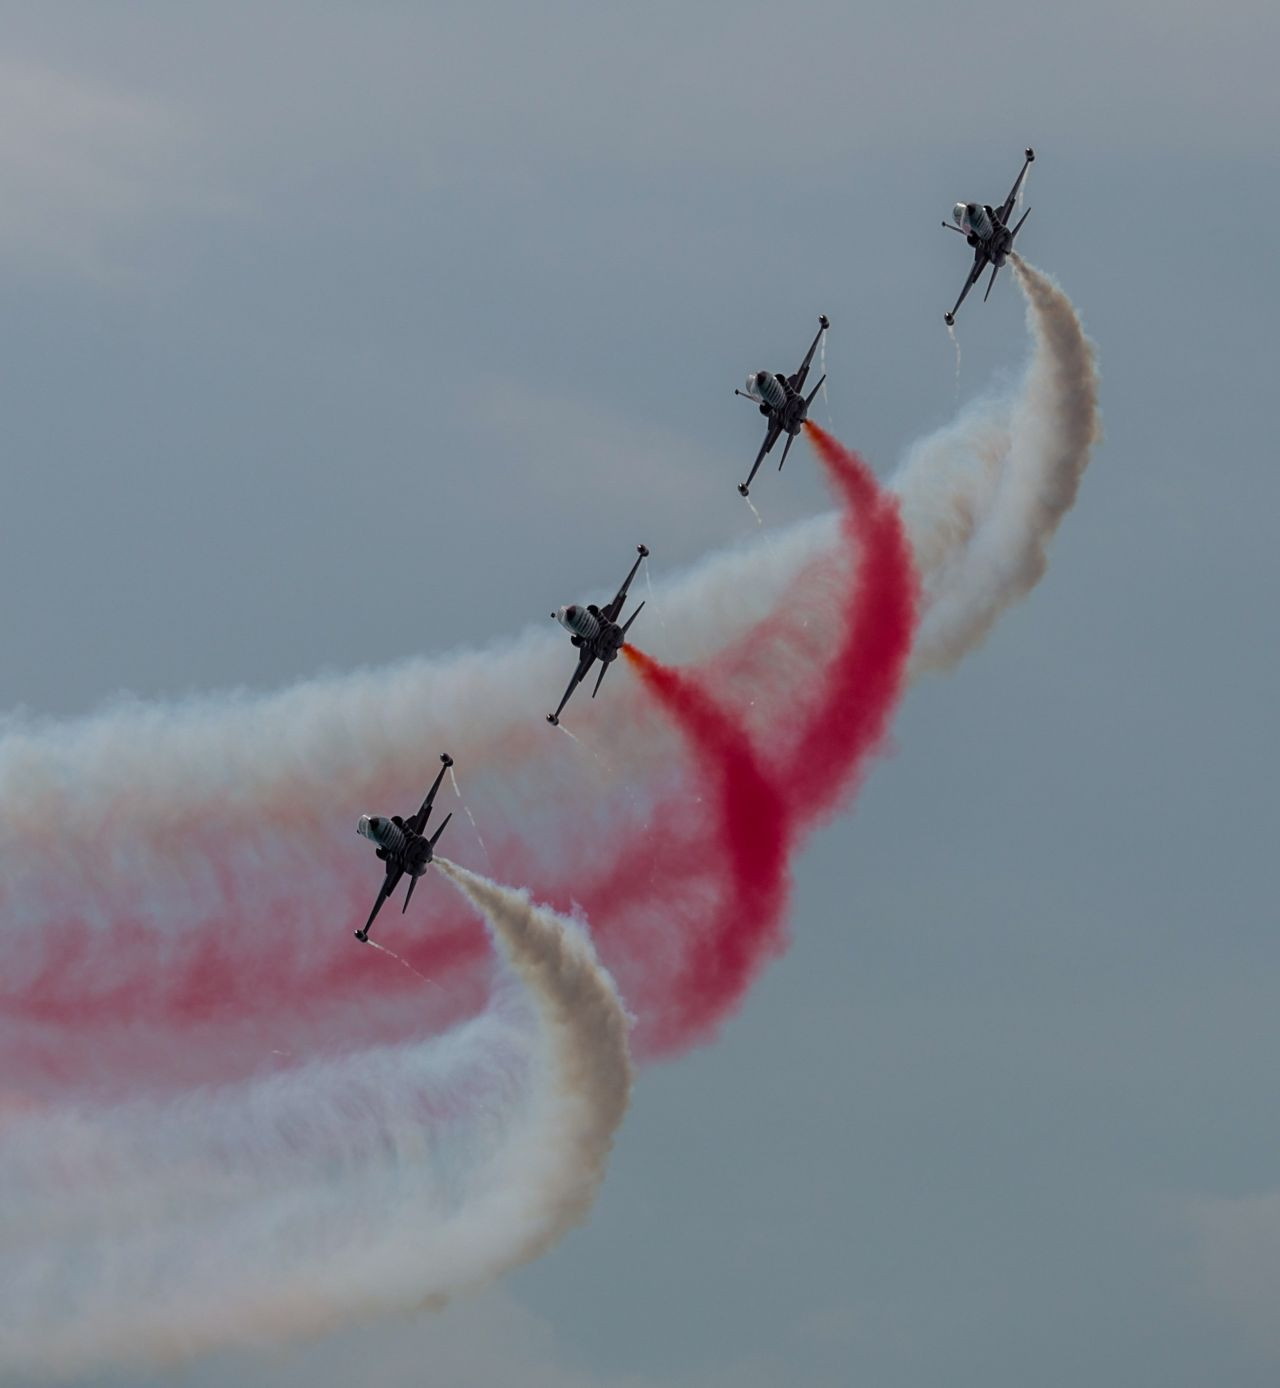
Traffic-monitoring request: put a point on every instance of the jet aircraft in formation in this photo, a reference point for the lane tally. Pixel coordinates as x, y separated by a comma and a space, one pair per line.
403, 846
987, 230
595, 631
782, 403
596, 634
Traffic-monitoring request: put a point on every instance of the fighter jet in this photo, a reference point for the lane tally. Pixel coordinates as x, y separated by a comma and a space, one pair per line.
596, 633
403, 846
781, 403
987, 230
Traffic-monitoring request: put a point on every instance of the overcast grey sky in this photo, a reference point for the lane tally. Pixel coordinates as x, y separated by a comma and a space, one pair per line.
303, 299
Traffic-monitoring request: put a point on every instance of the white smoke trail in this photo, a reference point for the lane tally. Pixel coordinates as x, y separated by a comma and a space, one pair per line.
148, 1232
983, 497
391, 954
648, 585
457, 790
822, 372
585, 1026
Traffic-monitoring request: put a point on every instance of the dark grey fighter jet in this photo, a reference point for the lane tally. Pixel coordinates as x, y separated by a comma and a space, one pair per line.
781, 403
987, 230
403, 846
596, 633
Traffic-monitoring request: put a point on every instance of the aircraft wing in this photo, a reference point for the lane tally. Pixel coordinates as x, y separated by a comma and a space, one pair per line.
585, 661
419, 821
389, 883
798, 380
980, 260
770, 438
614, 610
1006, 208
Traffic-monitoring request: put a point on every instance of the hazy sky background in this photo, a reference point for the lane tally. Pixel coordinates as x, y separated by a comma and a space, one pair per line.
337, 333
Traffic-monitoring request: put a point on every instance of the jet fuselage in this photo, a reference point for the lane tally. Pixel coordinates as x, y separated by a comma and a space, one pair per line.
591, 631
396, 843
778, 399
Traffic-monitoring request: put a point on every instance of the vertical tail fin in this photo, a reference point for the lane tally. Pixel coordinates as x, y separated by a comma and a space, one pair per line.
626, 628
791, 438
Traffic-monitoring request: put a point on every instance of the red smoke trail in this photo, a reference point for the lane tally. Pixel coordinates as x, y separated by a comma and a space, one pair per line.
760, 813
752, 838
866, 677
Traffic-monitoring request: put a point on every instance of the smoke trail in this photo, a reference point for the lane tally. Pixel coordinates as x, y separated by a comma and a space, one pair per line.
215, 871
758, 810
984, 497
202, 921
822, 372
382, 949
866, 672
754, 843
457, 790
149, 1232
585, 1025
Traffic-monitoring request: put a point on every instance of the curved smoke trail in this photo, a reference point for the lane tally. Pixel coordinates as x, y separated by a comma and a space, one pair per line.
215, 869
151, 979
761, 809
754, 840
983, 497
149, 1231
865, 674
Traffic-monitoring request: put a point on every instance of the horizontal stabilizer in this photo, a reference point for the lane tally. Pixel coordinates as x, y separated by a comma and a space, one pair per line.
408, 896
444, 823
